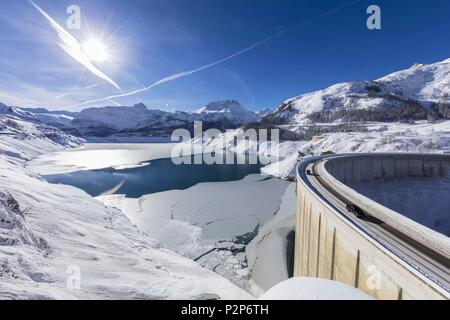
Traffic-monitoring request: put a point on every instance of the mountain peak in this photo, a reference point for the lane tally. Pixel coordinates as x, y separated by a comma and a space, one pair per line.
399, 96
222, 106
418, 65
4, 108
264, 112
140, 106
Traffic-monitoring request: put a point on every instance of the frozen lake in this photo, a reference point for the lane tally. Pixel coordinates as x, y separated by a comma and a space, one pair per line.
189, 209
156, 176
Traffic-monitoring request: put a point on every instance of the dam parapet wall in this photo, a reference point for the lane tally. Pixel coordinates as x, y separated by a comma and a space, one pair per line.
329, 245
366, 168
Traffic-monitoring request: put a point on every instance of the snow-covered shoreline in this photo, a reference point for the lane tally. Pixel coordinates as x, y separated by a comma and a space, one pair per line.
377, 137
57, 242
418, 137
99, 156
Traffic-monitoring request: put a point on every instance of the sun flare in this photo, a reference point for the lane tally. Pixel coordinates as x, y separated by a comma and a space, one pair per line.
95, 50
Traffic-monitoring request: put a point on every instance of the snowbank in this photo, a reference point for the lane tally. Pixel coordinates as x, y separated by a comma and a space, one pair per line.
313, 289
266, 254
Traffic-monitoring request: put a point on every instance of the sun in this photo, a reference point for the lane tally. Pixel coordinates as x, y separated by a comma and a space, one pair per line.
95, 50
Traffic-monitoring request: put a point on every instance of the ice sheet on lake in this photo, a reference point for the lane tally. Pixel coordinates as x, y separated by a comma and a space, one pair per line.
100, 156
207, 216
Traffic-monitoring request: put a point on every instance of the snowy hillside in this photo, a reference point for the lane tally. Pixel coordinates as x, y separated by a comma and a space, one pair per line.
24, 140
421, 137
57, 242
52, 118
39, 115
421, 92
264, 112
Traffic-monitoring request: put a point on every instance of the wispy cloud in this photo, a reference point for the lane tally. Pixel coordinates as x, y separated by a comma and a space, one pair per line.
241, 83
188, 73
14, 94
72, 47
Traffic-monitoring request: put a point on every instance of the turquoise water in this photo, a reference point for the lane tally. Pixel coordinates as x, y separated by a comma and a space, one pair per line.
159, 175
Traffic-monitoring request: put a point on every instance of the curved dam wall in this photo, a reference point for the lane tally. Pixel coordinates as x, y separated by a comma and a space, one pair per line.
415, 186
329, 246
365, 168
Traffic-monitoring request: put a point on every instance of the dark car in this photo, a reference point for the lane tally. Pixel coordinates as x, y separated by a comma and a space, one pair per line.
357, 211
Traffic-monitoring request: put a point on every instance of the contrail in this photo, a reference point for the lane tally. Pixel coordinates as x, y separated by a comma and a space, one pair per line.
64, 95
172, 77
188, 73
114, 103
72, 47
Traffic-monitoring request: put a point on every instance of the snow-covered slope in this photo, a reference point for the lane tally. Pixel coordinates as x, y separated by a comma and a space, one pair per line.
421, 137
264, 112
39, 115
17, 112
412, 94
23, 140
52, 118
314, 289
57, 242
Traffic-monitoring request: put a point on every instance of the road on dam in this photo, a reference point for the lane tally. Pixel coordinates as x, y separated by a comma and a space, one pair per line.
430, 263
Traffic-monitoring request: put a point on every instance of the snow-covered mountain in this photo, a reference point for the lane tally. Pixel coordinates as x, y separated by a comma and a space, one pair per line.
115, 119
231, 110
17, 112
420, 92
16, 135
139, 120
39, 115
264, 112
52, 118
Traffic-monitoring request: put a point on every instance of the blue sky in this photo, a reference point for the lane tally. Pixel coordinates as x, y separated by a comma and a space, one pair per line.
148, 40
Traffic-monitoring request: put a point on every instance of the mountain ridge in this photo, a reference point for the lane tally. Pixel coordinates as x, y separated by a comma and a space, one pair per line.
138, 119
420, 92
226, 114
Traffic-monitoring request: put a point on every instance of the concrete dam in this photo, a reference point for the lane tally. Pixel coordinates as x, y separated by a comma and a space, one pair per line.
378, 222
